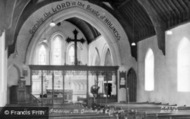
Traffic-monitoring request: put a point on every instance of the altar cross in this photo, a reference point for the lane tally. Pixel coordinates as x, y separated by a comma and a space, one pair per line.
75, 40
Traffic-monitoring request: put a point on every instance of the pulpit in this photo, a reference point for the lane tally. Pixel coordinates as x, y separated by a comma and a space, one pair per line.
21, 92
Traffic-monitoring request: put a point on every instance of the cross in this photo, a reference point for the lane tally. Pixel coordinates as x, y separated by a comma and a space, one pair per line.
75, 40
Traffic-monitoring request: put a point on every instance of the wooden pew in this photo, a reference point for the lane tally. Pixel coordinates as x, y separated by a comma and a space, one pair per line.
179, 113
153, 111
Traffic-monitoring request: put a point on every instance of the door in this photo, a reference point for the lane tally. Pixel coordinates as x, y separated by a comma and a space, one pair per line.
131, 85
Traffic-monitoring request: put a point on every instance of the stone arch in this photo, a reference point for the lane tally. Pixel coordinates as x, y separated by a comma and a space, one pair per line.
95, 22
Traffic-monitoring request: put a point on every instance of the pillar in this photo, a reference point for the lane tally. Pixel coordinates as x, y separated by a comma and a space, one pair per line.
3, 71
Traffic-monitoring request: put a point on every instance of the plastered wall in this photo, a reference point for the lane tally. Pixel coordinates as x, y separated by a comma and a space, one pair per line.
165, 69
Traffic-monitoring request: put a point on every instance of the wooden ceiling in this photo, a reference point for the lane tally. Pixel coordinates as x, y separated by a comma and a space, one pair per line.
139, 18
150, 17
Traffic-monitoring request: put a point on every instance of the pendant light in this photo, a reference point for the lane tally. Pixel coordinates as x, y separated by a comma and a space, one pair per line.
52, 23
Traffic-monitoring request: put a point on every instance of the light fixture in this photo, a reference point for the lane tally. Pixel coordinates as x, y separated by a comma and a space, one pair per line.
52, 23
169, 32
133, 44
45, 40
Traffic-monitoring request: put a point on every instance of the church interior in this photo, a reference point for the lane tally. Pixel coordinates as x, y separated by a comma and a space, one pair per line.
132, 55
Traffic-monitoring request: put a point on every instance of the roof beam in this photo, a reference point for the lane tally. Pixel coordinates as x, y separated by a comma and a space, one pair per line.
123, 3
159, 25
17, 11
6, 12
176, 10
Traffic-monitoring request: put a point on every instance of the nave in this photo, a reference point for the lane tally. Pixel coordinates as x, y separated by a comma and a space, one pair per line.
123, 110
147, 40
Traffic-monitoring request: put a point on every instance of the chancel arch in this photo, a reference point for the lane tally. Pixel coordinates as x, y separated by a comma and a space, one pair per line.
183, 65
113, 53
99, 25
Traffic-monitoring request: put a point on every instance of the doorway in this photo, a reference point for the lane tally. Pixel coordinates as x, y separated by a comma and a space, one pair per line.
131, 85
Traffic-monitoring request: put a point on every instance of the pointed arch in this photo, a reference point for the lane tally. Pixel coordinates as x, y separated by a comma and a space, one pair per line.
42, 54
97, 57
95, 22
108, 58
56, 51
70, 53
132, 85
183, 66
106, 55
149, 70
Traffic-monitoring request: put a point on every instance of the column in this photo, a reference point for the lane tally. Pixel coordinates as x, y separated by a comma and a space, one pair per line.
53, 87
3, 71
63, 75
87, 87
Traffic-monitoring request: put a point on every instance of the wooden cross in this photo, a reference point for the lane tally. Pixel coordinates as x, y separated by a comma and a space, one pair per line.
75, 40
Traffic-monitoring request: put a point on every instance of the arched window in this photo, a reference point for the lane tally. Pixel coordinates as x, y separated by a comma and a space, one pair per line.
97, 58
149, 71
56, 50
42, 55
82, 86
183, 66
108, 58
71, 54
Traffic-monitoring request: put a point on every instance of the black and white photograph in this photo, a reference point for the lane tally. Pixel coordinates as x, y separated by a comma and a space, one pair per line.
94, 59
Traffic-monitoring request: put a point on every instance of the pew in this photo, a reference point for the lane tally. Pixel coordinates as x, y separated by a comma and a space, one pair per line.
152, 110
